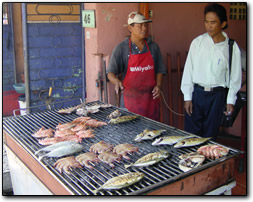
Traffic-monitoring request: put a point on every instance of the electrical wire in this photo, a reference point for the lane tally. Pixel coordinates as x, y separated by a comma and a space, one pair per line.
169, 107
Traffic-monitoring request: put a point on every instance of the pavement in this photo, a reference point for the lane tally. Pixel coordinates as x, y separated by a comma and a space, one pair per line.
7, 186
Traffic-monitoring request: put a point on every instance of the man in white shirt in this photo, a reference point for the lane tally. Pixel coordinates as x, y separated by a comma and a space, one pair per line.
206, 74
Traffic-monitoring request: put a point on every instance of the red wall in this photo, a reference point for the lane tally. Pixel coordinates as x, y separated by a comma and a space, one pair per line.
174, 26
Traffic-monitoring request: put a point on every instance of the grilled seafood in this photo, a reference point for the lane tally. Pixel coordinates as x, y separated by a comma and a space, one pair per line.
148, 135
213, 151
109, 158
78, 127
65, 126
169, 140
122, 119
191, 142
64, 150
150, 159
101, 147
63, 133
69, 110
65, 164
55, 146
53, 140
87, 157
81, 119
95, 123
183, 156
121, 181
43, 132
115, 114
124, 149
190, 162
85, 133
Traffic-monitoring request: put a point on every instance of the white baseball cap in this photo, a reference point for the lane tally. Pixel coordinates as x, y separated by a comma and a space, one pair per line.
136, 17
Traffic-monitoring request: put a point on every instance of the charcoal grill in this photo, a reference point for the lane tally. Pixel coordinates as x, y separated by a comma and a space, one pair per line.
83, 181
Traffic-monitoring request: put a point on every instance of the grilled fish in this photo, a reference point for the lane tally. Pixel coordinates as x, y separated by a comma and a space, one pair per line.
148, 135
115, 114
121, 181
69, 110
64, 150
190, 162
122, 119
169, 140
55, 146
150, 159
191, 142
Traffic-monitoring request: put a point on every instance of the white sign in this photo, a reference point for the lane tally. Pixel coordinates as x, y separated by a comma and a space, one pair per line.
88, 18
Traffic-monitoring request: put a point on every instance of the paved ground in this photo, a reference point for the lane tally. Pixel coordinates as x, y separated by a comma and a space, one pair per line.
7, 187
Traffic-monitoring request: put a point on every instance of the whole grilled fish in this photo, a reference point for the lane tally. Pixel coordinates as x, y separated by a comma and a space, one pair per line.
150, 159
191, 142
148, 135
121, 181
169, 140
64, 150
55, 146
115, 114
122, 119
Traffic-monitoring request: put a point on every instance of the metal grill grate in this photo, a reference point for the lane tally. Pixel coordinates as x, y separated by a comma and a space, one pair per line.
83, 181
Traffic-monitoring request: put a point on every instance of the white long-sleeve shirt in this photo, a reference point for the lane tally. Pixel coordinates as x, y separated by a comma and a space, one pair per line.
207, 65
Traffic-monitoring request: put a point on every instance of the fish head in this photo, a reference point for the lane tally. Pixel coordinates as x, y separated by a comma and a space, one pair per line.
139, 175
164, 153
179, 144
157, 141
139, 137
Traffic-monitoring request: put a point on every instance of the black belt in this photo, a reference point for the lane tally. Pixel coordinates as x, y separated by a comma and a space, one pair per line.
208, 89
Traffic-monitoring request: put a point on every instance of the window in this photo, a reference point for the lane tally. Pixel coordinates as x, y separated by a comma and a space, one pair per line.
238, 11
5, 14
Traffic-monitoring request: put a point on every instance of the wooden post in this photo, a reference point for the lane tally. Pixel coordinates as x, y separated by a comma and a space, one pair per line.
144, 9
170, 88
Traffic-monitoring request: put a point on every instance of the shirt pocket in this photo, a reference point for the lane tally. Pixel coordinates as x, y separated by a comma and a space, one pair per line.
221, 69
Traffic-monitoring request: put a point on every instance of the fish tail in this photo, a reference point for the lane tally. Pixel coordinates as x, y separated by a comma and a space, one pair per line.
127, 166
96, 191
41, 157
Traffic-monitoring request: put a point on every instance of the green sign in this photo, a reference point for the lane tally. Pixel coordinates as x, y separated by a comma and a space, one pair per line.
88, 18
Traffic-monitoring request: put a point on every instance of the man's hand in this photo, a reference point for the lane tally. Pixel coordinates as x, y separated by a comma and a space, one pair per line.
156, 92
230, 109
118, 86
114, 80
188, 107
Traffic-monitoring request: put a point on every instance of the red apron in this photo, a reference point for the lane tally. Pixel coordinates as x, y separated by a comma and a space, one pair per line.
139, 83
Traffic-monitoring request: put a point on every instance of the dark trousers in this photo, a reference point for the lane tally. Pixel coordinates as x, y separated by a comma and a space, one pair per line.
206, 113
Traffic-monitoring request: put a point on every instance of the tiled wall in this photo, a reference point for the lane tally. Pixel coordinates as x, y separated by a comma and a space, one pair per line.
54, 60
8, 62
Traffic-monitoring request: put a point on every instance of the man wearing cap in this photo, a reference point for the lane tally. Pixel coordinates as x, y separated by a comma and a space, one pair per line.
140, 62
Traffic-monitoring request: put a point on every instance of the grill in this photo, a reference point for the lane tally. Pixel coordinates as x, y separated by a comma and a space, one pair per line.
83, 181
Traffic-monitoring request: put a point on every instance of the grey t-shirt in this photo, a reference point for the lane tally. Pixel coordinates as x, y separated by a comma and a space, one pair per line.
120, 54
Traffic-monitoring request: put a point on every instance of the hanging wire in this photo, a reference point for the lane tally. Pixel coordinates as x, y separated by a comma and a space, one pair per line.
169, 107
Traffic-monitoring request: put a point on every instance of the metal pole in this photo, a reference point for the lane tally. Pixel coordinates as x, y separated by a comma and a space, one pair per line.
83, 54
25, 50
13, 47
